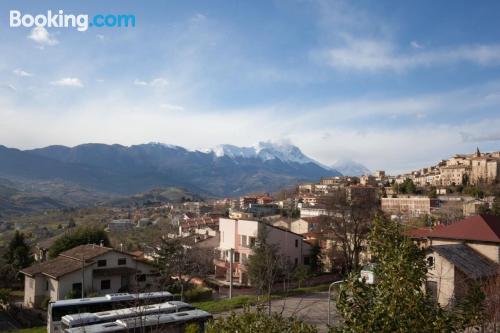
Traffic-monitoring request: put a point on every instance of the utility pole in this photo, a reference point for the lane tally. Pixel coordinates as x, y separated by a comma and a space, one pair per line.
231, 255
83, 276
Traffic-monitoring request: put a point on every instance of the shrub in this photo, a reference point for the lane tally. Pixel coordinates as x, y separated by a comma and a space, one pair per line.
198, 294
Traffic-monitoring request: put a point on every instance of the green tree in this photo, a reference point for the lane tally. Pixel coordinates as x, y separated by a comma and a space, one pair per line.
18, 252
259, 321
300, 274
81, 236
496, 206
396, 302
316, 259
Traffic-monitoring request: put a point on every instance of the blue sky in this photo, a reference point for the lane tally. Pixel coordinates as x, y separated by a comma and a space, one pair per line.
394, 85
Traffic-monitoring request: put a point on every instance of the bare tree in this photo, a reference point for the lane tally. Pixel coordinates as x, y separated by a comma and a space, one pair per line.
180, 264
264, 266
349, 221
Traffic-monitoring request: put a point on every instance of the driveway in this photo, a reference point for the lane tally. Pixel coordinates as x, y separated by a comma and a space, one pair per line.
311, 308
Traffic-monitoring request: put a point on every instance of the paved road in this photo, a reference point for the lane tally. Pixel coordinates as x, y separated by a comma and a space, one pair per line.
311, 308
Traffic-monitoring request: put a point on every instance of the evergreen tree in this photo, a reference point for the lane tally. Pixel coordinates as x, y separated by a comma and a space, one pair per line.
81, 236
18, 252
397, 301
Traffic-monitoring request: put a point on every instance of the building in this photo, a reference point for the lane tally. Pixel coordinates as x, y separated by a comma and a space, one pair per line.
96, 269
459, 254
240, 236
120, 225
307, 224
410, 206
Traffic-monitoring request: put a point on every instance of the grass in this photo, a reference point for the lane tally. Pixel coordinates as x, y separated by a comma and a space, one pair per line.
42, 329
237, 302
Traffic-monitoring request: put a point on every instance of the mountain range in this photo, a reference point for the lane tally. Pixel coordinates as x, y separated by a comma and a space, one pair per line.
351, 168
225, 170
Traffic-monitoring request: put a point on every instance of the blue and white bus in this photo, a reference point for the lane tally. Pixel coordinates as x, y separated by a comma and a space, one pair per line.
58, 309
160, 323
87, 318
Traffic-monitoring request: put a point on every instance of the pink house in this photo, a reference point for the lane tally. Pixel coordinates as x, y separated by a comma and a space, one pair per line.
241, 235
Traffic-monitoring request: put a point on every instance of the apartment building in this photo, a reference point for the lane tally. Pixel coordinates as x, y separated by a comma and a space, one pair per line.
239, 236
409, 206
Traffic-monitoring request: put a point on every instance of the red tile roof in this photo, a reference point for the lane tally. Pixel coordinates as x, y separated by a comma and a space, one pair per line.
484, 228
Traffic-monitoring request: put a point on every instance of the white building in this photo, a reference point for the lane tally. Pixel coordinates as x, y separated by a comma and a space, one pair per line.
241, 235
100, 270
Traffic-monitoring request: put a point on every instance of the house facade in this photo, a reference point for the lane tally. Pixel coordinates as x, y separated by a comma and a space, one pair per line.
240, 236
96, 269
459, 254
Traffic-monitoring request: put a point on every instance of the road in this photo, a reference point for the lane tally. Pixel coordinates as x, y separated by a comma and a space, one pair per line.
311, 308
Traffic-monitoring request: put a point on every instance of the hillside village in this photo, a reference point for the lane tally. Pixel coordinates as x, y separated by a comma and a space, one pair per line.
319, 232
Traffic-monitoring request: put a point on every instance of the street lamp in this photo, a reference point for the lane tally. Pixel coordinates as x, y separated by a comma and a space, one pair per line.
329, 298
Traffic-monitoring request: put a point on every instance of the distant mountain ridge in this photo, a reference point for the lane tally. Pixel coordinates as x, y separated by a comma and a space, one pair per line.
224, 171
351, 168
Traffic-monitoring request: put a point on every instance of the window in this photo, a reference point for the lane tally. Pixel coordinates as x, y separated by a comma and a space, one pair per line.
430, 262
296, 262
46, 284
77, 288
101, 263
32, 281
141, 277
105, 284
244, 241
296, 243
236, 257
251, 241
122, 261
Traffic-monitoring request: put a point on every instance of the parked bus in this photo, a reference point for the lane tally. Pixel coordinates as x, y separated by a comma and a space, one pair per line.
87, 318
160, 323
58, 309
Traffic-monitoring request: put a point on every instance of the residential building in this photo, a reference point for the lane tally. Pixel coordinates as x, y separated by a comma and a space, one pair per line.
240, 235
96, 269
120, 225
307, 224
464, 252
409, 206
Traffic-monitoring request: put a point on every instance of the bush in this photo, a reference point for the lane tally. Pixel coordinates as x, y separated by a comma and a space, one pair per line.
198, 294
81, 236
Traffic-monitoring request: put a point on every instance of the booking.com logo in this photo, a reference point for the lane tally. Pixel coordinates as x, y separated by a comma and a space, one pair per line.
82, 22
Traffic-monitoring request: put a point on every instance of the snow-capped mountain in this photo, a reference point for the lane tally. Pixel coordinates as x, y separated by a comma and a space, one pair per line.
222, 171
285, 152
351, 168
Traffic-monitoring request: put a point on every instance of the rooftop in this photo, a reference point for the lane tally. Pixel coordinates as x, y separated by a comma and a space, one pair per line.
485, 228
87, 251
468, 261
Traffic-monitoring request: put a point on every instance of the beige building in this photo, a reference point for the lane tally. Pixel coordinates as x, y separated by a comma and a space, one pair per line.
458, 254
96, 269
240, 236
409, 206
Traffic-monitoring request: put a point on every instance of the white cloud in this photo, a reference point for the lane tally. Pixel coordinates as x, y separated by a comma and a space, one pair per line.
379, 55
100, 37
20, 72
158, 83
172, 107
155, 83
140, 82
68, 82
416, 45
10, 87
41, 36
